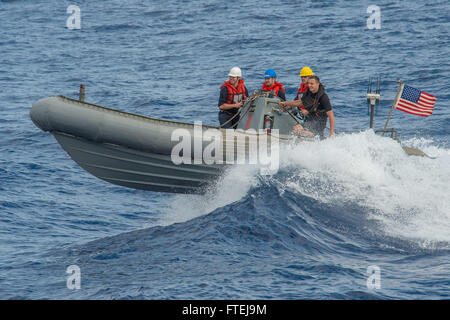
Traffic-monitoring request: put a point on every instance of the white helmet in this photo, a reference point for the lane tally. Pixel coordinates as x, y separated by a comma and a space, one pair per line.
235, 72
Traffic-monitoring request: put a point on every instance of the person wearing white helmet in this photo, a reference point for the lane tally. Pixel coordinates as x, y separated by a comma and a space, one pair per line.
232, 94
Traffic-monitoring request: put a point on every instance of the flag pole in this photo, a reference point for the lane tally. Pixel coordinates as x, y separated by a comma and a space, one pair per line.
400, 89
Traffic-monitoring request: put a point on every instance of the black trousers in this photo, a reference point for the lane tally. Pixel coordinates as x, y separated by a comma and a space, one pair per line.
316, 125
224, 117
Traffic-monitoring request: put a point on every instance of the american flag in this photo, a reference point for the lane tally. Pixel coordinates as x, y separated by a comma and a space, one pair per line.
416, 102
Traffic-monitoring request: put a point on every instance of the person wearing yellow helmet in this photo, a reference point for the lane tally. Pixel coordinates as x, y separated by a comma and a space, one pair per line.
305, 73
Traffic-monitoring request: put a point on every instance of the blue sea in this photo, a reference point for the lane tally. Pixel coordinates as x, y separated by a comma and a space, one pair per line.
351, 217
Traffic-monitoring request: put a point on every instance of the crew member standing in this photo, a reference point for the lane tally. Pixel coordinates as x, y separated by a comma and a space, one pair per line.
305, 73
232, 94
317, 109
271, 84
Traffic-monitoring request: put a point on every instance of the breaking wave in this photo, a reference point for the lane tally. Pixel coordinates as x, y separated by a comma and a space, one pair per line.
404, 194
334, 208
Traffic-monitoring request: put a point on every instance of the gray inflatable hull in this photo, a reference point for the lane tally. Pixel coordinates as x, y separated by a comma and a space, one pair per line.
136, 169
131, 150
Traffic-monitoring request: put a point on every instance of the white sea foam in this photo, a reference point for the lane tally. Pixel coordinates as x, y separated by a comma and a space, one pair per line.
408, 195
233, 185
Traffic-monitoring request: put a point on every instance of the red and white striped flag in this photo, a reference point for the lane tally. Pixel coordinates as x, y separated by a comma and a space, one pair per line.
416, 102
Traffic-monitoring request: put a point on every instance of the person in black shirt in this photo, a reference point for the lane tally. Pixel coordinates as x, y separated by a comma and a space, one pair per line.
317, 109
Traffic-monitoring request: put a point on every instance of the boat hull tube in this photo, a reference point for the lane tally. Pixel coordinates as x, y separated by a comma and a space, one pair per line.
138, 152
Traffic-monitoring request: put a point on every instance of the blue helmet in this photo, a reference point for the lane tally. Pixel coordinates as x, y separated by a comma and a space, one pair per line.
270, 73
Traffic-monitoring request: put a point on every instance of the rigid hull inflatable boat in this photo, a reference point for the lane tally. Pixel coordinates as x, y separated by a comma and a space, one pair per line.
137, 152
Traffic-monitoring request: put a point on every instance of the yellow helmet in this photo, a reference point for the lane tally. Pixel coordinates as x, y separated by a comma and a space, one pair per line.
306, 72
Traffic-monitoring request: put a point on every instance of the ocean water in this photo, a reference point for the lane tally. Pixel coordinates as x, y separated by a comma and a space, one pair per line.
335, 210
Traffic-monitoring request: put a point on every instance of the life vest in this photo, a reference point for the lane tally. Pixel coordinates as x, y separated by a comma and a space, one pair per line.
235, 94
301, 90
275, 87
312, 104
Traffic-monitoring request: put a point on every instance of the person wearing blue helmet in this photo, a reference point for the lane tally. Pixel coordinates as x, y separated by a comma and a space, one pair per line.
271, 84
